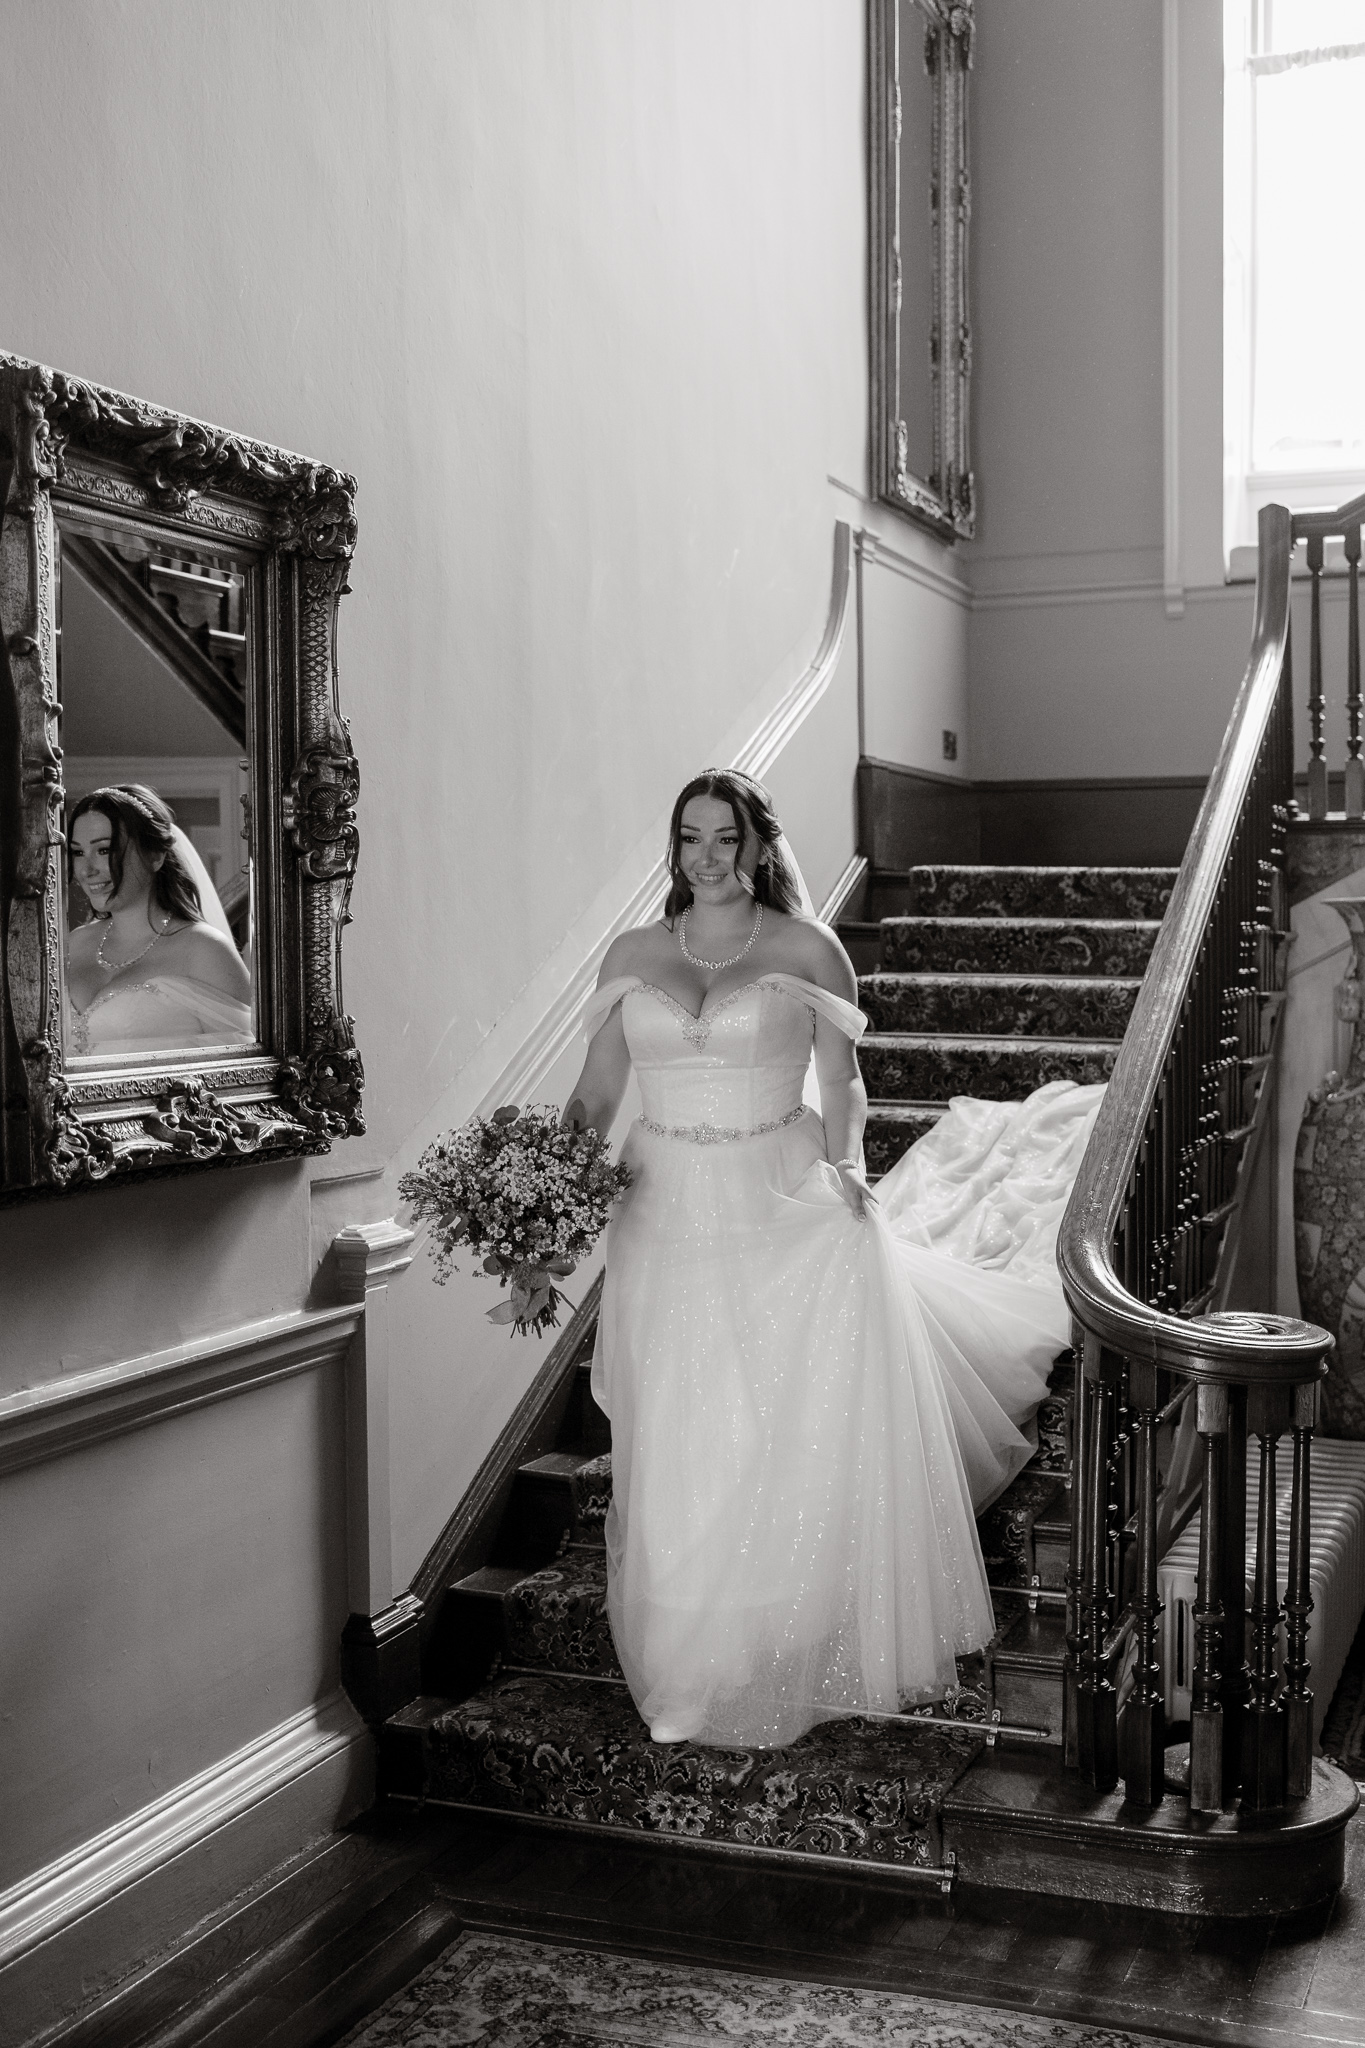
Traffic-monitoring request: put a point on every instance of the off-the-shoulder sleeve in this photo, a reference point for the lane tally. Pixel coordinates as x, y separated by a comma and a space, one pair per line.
845, 1017
603, 1001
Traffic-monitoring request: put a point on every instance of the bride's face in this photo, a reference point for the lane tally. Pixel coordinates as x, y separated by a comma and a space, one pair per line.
92, 842
713, 852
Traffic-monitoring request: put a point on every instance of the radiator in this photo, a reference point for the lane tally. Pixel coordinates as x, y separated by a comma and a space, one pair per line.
1337, 1573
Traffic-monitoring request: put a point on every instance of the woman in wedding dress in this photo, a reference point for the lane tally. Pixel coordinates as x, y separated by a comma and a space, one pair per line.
154, 968
812, 1389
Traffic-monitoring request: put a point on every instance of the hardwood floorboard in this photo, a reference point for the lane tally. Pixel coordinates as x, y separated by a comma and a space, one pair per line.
347, 1871
289, 2002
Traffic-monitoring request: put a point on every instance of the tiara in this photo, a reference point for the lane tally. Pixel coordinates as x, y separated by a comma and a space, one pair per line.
126, 796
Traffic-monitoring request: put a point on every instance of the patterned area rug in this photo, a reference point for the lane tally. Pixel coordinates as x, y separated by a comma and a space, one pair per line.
499, 1992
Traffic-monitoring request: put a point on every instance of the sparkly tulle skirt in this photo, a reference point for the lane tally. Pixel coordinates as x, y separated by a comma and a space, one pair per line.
808, 1409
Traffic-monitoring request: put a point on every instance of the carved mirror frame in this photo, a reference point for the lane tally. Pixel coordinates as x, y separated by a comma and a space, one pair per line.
943, 501
72, 447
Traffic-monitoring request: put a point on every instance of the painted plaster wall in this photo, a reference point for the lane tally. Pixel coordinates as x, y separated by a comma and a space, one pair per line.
577, 291
1075, 666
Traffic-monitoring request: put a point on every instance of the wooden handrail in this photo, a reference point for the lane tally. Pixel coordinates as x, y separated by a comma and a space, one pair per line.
1215, 1347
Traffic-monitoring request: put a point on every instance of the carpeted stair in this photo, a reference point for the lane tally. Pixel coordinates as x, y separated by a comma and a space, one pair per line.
987, 981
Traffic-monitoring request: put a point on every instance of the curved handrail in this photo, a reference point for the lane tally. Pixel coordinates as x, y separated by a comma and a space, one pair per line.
1217, 1347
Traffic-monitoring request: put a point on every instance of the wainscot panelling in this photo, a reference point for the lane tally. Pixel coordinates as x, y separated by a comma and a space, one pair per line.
72, 1927
65, 1415
910, 816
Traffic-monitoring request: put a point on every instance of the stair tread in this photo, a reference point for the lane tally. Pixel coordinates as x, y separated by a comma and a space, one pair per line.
1066, 984
560, 1464
490, 1580
1025, 867
958, 1041
1020, 923
896, 1111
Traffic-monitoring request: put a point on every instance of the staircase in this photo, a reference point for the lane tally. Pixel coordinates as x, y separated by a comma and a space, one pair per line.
981, 980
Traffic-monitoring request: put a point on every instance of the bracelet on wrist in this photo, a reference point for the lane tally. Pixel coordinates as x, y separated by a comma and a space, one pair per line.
847, 1162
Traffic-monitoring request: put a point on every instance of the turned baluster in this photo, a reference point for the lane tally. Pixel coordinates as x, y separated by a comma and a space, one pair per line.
1317, 762
1098, 1731
1086, 1345
1236, 1686
1206, 1704
1354, 802
1298, 1605
1263, 1757
1144, 1718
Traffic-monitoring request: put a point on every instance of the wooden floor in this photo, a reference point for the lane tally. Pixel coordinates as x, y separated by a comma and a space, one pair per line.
309, 1952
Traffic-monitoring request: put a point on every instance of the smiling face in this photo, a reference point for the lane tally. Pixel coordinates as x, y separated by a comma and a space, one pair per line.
713, 850
93, 847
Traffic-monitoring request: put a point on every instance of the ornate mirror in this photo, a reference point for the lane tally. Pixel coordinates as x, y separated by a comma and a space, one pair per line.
177, 825
920, 52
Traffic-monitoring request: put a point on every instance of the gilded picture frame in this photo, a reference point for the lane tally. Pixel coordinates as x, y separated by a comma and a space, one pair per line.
77, 459
943, 498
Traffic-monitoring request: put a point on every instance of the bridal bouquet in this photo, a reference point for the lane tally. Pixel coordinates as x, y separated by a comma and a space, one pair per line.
529, 1198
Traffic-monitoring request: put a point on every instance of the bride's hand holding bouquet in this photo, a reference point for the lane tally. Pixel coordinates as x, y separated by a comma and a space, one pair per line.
529, 1196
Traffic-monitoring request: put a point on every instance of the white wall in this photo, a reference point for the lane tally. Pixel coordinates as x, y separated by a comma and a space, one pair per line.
576, 288
1075, 666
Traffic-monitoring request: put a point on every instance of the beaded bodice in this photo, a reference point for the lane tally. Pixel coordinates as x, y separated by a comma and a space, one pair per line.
741, 1063
739, 1066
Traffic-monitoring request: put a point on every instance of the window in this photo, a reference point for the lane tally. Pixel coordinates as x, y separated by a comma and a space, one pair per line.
1294, 283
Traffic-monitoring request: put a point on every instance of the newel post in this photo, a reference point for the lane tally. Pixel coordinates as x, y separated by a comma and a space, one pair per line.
380, 1645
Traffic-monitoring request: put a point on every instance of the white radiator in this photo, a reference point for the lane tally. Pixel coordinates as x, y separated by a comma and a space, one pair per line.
1337, 1574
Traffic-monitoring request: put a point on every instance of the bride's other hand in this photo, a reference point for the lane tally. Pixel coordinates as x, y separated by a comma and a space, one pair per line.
854, 1188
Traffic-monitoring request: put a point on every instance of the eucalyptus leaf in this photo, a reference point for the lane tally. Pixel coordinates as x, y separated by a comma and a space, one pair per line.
505, 1312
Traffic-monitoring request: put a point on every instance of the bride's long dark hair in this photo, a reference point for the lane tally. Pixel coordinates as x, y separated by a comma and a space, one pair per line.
774, 882
138, 814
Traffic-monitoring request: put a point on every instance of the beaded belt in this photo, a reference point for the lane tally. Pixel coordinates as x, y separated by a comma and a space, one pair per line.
719, 1134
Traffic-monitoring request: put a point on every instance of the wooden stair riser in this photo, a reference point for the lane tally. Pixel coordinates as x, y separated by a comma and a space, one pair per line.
557, 1499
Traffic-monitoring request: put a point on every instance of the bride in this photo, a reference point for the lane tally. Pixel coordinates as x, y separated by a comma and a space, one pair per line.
812, 1389
154, 968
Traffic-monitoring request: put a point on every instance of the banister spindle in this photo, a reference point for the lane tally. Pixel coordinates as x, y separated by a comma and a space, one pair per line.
1263, 1759
1144, 1718
1206, 1706
1098, 1732
1317, 762
1236, 1686
1086, 1345
1298, 1605
1354, 801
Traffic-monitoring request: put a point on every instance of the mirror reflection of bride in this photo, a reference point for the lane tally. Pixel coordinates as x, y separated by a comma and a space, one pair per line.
154, 968
813, 1386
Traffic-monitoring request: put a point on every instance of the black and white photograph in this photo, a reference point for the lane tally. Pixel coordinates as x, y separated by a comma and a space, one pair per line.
682, 1024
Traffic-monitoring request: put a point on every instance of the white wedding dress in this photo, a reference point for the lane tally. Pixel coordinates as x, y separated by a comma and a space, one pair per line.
807, 1408
162, 1012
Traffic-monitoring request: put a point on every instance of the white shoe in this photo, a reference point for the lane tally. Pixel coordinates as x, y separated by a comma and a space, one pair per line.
664, 1731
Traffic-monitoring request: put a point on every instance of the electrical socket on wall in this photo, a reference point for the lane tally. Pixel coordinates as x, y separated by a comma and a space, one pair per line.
949, 745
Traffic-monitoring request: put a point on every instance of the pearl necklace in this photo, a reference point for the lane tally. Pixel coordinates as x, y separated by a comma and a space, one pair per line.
734, 959
117, 966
